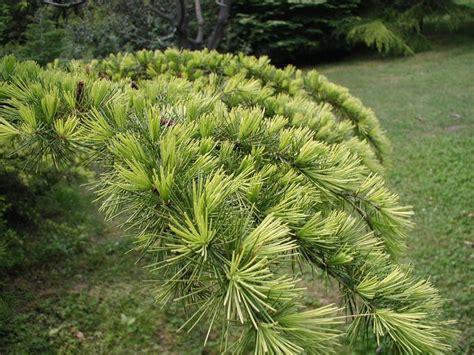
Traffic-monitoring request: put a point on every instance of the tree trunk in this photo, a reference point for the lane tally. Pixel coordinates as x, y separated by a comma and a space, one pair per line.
182, 25
200, 22
180, 22
222, 21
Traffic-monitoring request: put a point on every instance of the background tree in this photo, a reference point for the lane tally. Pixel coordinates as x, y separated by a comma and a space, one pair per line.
287, 31
398, 27
177, 13
299, 31
14, 19
63, 7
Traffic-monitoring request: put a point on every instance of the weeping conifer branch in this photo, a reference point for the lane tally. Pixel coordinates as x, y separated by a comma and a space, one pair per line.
228, 171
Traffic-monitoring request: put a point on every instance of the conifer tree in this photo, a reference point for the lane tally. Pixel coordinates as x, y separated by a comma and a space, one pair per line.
235, 175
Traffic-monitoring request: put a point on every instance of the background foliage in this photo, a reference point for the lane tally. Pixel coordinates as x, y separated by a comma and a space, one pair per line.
287, 31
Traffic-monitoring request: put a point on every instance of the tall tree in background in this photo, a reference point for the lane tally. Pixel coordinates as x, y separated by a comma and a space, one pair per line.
15, 16
177, 15
63, 6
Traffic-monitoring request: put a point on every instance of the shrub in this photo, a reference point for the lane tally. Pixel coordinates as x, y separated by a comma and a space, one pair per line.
235, 176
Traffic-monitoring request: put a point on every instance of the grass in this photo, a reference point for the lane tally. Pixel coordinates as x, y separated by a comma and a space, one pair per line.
97, 305
91, 298
88, 297
425, 103
465, 2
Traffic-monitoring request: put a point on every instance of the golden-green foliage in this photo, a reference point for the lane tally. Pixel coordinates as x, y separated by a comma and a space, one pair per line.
231, 173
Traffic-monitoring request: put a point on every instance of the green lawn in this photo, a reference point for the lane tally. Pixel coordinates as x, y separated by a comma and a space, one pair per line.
465, 2
95, 300
426, 105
